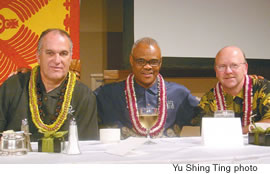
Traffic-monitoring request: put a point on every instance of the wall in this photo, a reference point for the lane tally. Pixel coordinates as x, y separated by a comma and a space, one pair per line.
92, 38
205, 26
197, 85
101, 20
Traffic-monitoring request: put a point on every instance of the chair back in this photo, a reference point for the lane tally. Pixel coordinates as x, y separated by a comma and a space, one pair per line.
115, 75
75, 66
190, 131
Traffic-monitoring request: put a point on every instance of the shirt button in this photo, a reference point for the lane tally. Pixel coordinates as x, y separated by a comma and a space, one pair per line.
45, 98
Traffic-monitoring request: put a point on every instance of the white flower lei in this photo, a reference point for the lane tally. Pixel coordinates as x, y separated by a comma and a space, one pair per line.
133, 108
247, 106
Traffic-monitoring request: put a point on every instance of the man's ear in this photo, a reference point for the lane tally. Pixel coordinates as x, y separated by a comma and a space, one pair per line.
160, 62
38, 59
246, 66
131, 60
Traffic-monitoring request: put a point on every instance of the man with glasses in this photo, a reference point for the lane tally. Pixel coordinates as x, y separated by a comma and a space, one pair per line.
236, 91
118, 103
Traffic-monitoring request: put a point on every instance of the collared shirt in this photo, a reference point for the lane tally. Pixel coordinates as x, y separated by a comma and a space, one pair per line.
260, 104
14, 107
113, 111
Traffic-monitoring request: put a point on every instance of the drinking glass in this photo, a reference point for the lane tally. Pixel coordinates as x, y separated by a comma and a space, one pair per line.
224, 113
148, 118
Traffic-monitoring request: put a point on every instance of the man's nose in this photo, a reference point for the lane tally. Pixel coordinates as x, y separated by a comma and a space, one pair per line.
228, 69
147, 65
57, 58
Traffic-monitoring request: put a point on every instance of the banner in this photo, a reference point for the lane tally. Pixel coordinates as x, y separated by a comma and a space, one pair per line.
21, 23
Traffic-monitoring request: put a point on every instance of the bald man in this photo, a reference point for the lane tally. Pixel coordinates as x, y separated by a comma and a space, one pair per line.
236, 90
118, 103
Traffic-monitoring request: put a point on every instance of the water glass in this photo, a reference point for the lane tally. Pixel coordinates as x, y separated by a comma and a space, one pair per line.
224, 114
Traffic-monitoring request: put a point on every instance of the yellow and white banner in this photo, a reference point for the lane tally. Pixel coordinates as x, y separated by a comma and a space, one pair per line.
21, 23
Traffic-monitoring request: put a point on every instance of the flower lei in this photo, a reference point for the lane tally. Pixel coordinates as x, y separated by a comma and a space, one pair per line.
58, 104
247, 106
133, 108
34, 105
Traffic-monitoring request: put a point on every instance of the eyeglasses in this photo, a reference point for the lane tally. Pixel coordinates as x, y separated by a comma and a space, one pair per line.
233, 66
143, 62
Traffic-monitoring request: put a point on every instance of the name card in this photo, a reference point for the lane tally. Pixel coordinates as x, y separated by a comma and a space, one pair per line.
222, 132
110, 135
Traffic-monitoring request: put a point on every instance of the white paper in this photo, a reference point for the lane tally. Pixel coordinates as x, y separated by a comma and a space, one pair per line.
222, 132
126, 146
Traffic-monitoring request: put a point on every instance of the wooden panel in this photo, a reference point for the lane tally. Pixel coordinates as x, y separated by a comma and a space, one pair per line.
115, 75
190, 131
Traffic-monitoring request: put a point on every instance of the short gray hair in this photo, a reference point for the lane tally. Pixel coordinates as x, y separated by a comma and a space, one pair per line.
60, 31
145, 40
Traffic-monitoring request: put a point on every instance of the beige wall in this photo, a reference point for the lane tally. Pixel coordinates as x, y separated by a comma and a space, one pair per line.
92, 38
101, 16
97, 17
197, 85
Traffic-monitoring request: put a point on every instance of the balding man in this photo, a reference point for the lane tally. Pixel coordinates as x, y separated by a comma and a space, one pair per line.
118, 103
49, 96
237, 91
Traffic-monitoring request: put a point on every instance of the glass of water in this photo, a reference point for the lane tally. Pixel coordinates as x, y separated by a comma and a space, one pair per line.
224, 114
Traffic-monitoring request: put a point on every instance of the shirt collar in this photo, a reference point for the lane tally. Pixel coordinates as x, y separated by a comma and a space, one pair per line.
141, 90
55, 92
239, 95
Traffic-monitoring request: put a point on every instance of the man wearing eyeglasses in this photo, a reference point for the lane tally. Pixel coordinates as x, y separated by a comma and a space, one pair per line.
246, 96
119, 103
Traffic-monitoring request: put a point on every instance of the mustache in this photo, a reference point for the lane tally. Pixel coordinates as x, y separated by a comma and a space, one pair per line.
147, 72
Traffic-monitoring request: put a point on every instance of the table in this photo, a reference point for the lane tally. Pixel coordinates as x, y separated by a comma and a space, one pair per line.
167, 150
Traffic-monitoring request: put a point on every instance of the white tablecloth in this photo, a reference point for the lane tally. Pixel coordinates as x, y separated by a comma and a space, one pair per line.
167, 150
